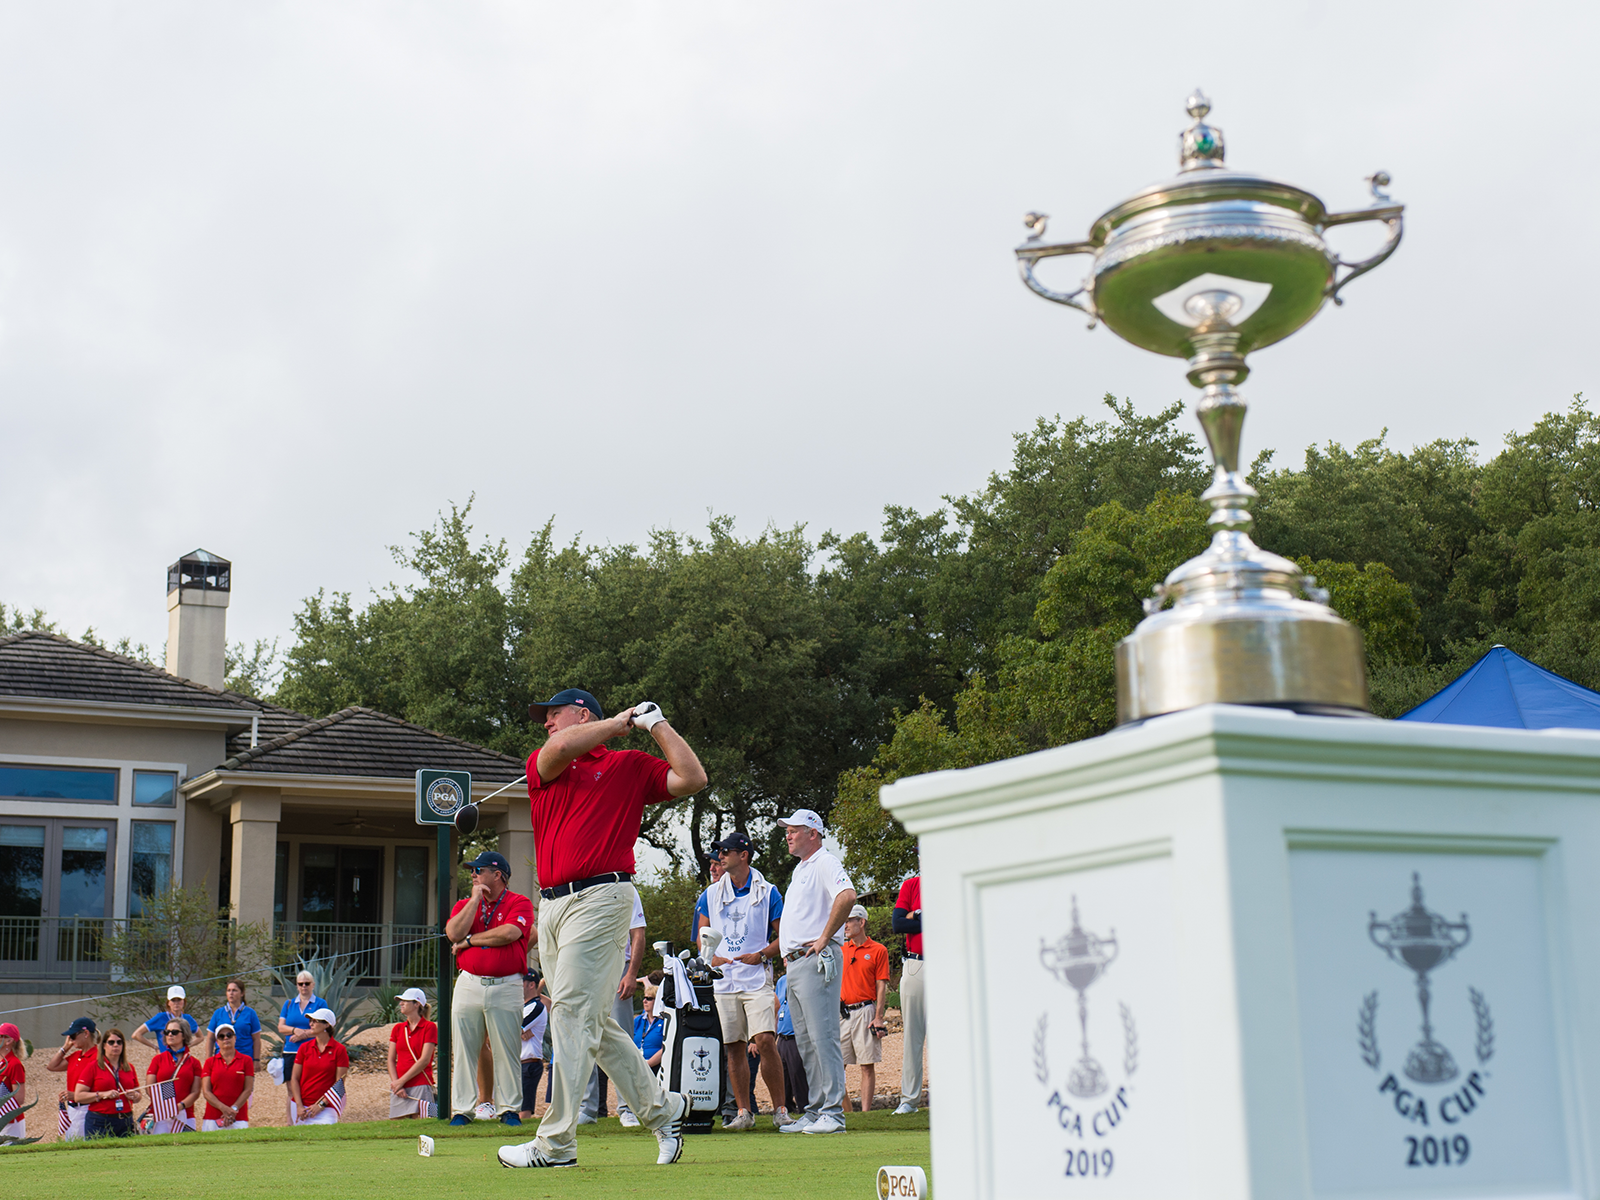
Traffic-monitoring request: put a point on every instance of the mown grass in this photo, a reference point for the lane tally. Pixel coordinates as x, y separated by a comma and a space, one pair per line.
380, 1159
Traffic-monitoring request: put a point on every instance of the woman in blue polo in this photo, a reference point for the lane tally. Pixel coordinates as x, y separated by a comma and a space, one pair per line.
246, 1025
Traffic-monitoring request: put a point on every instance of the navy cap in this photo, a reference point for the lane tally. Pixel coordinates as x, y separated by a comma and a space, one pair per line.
492, 858
569, 696
79, 1026
735, 841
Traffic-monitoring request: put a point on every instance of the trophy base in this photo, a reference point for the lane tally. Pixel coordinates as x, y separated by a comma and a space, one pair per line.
1429, 1062
1239, 634
1087, 1078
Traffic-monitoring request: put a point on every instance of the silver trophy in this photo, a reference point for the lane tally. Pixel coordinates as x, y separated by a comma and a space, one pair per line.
1420, 940
1077, 960
1209, 266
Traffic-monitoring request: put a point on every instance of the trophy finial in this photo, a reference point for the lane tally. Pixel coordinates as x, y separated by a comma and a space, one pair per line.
1035, 223
1201, 145
1380, 180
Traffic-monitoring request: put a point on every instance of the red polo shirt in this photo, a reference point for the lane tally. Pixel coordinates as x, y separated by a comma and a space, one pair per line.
910, 899
163, 1067
78, 1061
319, 1068
586, 820
408, 1045
227, 1081
98, 1079
493, 961
12, 1073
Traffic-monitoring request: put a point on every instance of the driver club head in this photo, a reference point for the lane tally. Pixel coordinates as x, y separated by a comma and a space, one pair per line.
467, 818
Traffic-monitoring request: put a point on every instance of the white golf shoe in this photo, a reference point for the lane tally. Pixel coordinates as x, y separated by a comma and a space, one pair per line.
484, 1112
528, 1154
743, 1121
825, 1124
799, 1125
905, 1110
629, 1121
670, 1136
781, 1119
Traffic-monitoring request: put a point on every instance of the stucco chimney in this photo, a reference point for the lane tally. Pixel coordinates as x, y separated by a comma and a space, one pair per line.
198, 586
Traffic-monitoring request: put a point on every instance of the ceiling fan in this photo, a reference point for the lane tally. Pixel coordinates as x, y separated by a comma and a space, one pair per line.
357, 823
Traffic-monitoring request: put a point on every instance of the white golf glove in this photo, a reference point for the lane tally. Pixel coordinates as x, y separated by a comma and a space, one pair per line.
825, 965
647, 715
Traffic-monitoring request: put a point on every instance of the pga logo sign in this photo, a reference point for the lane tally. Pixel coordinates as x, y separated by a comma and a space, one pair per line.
907, 1182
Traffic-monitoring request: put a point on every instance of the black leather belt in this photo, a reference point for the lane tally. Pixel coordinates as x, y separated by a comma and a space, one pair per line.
797, 955
786, 1037
862, 1004
912, 954
566, 889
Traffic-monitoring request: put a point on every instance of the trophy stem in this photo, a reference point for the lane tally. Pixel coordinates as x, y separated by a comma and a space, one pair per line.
1083, 1023
1221, 411
1423, 996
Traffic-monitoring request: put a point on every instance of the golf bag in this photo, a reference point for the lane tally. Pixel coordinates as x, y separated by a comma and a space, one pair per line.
691, 1059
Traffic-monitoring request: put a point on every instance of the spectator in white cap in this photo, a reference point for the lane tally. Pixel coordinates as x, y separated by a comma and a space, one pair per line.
413, 1042
819, 899
321, 1063
150, 1034
227, 1082
863, 991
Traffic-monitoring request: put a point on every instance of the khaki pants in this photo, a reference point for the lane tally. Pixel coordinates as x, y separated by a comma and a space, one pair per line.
478, 1004
580, 944
914, 1012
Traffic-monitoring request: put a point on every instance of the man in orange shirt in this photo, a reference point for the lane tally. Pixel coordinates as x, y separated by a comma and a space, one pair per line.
863, 991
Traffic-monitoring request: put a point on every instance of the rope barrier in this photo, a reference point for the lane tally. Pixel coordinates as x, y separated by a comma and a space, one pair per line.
85, 1000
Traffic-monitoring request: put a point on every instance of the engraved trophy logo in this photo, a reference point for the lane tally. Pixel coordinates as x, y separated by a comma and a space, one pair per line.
1420, 940
1077, 960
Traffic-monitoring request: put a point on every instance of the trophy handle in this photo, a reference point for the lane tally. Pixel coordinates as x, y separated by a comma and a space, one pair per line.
1392, 216
1031, 251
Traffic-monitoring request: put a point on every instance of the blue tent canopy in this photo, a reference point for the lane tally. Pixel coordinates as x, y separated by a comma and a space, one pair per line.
1506, 690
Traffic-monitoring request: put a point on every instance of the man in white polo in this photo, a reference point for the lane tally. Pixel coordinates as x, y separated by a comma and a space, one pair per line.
809, 934
744, 908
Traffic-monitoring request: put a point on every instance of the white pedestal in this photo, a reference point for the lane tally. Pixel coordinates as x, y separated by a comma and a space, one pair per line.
1252, 1036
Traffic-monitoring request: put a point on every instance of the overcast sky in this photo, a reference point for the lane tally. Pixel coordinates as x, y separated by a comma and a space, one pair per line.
284, 280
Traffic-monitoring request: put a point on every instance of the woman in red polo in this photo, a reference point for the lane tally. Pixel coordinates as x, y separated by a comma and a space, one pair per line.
321, 1063
14, 1076
177, 1064
412, 1043
229, 1079
110, 1088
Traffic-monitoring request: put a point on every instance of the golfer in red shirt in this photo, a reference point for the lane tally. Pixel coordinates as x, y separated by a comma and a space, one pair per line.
587, 802
228, 1082
490, 932
320, 1063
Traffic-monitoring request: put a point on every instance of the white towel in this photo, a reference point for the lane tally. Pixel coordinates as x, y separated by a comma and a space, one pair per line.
682, 990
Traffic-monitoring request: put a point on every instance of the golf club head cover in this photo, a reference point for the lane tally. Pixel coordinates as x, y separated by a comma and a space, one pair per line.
647, 716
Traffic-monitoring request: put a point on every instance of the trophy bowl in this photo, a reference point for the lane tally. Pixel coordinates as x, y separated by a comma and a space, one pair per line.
1209, 266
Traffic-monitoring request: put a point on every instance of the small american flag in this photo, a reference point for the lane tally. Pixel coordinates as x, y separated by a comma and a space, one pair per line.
427, 1108
335, 1097
64, 1121
8, 1103
164, 1102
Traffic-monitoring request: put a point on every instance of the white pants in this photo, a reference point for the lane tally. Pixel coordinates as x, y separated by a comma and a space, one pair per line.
914, 1012
814, 1009
478, 1005
17, 1128
581, 947
171, 1127
213, 1127
325, 1116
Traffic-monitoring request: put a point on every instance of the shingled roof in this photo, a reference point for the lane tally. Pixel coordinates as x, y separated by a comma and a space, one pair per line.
355, 741
57, 668
360, 741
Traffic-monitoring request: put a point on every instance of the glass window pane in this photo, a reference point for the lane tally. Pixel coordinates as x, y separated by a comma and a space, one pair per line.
410, 885
58, 783
280, 883
150, 863
155, 788
83, 872
319, 882
79, 838
21, 875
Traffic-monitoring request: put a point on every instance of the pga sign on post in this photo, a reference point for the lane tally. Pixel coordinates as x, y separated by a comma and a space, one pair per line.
907, 1182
